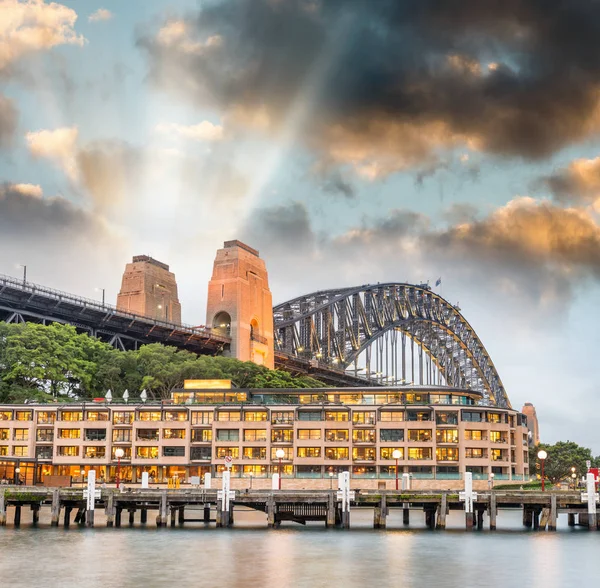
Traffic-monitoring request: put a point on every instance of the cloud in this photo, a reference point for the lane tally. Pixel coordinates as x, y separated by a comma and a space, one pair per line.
102, 14
204, 131
58, 145
8, 121
53, 236
27, 26
578, 183
405, 81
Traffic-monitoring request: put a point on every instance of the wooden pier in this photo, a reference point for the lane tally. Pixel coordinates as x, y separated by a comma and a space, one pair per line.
68, 506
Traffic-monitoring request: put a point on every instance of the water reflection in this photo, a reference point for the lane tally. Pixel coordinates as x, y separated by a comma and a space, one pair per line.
311, 556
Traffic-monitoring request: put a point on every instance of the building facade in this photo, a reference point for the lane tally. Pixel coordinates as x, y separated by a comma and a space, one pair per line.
149, 289
532, 423
441, 433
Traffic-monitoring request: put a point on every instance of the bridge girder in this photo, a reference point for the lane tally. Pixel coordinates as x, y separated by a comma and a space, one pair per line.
334, 327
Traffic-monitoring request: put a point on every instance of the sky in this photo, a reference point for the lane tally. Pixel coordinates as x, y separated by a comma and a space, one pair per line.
349, 141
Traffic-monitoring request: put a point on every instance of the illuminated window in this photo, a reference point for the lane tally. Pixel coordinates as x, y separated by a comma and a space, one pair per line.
122, 418
474, 435
282, 417
69, 433
420, 435
419, 453
446, 435
363, 436
202, 418
282, 435
255, 435
255, 416
336, 453
148, 415
308, 452
494, 417
364, 418
496, 437
21, 450
475, 453
126, 455
447, 453
176, 415
228, 415
497, 454
255, 453
46, 418
94, 452
3, 449
387, 452
309, 434
202, 435
21, 435
6, 415
336, 415
387, 416
121, 435
23, 415
68, 451
146, 452
45, 435
288, 453
97, 415
223, 452
336, 435
446, 418
147, 434
363, 453
174, 434
71, 416
255, 470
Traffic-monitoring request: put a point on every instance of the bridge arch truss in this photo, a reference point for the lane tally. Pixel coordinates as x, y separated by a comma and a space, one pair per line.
397, 333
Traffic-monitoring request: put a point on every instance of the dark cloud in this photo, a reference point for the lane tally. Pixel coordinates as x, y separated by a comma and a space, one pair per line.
335, 183
578, 183
8, 121
393, 81
64, 246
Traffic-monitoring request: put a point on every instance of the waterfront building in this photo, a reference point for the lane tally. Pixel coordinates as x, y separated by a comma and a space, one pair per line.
532, 423
150, 289
441, 433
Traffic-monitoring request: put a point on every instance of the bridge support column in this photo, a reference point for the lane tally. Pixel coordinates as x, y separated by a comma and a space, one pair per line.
380, 514
67, 517
131, 517
17, 521
206, 514
271, 515
173, 513
35, 513
181, 516
161, 519
118, 513
480, 512
527, 517
553, 513
405, 513
430, 517
55, 509
442, 512
493, 511
144, 516
535, 513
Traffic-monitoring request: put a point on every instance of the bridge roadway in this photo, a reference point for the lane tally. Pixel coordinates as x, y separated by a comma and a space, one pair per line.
540, 509
24, 301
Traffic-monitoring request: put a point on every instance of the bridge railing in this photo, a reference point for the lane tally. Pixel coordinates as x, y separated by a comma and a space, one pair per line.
59, 295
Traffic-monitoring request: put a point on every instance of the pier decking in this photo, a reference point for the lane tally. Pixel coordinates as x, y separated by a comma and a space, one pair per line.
206, 506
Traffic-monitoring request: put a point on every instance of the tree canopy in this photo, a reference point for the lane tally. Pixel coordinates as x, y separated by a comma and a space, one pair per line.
56, 363
562, 456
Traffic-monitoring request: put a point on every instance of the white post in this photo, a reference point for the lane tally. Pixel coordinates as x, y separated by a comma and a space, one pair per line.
275, 482
145, 478
207, 481
405, 481
344, 480
91, 490
226, 486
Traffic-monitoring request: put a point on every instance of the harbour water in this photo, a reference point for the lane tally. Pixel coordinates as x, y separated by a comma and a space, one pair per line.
251, 555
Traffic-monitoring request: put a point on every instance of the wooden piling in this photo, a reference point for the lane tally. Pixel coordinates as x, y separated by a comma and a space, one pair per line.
17, 521
380, 514
271, 517
2, 510
553, 513
110, 510
206, 514
118, 512
131, 516
144, 515
493, 511
67, 519
544, 518
181, 516
405, 513
571, 519
162, 516
527, 517
55, 509
442, 511
480, 512
330, 518
173, 513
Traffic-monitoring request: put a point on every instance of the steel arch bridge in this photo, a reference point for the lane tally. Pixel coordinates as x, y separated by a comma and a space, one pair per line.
397, 334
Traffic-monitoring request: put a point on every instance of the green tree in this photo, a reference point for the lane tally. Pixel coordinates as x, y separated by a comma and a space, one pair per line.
562, 456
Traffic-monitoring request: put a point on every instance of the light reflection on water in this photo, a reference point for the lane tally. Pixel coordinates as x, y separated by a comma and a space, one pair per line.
251, 555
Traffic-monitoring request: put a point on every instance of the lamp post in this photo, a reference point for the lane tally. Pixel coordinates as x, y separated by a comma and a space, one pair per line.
492, 480
574, 476
396, 455
17, 476
542, 455
251, 475
24, 273
103, 290
331, 480
279, 454
119, 453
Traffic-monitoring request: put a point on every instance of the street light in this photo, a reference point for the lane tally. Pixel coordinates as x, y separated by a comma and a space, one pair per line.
492, 480
396, 454
103, 290
119, 453
24, 272
280, 454
331, 480
574, 476
542, 455
17, 476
